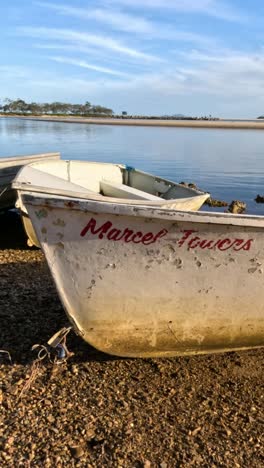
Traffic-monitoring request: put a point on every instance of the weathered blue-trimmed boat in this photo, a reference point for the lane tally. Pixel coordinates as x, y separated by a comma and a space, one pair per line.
103, 181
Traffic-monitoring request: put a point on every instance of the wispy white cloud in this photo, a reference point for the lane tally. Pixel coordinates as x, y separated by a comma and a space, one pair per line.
234, 75
129, 23
235, 62
67, 47
98, 56
116, 19
227, 74
72, 36
215, 8
84, 64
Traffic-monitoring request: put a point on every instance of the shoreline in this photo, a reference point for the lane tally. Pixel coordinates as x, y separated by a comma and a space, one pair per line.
220, 124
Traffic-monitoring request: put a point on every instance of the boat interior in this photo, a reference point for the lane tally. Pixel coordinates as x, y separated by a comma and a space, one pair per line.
106, 179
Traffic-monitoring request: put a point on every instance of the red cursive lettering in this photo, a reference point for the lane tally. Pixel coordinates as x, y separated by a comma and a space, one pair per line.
246, 245
160, 234
114, 235
127, 235
221, 244
147, 238
193, 242
91, 225
138, 234
188, 238
187, 234
205, 244
218, 244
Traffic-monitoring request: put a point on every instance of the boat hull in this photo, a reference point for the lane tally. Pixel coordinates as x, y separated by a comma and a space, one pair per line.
148, 282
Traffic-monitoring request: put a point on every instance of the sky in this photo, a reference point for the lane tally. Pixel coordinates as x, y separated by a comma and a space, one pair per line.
152, 57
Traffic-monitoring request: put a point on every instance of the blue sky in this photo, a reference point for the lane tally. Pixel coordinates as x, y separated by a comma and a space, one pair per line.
194, 57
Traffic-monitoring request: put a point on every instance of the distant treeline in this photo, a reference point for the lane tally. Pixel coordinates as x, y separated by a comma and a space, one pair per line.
19, 106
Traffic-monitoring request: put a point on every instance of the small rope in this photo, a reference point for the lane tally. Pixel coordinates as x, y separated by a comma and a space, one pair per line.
35, 368
56, 343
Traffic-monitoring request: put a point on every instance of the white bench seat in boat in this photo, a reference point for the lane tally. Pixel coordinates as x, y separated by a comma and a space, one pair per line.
114, 189
48, 181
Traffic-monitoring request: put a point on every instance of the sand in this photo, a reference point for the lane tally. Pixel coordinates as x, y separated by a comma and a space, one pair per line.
238, 124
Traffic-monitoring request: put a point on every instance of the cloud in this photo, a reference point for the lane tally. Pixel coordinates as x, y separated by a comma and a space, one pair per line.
233, 76
72, 36
84, 64
129, 23
116, 19
98, 56
215, 8
232, 61
228, 73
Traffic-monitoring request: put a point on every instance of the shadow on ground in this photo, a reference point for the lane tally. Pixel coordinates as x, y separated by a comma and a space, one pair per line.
30, 309
31, 312
12, 235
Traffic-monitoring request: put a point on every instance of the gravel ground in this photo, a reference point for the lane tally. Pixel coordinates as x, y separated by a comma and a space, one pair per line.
95, 410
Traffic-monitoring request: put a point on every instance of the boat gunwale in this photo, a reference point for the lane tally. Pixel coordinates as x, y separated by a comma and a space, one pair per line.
196, 191
93, 196
22, 158
143, 210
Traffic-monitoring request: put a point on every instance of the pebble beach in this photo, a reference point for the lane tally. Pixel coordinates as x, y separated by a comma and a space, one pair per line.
96, 410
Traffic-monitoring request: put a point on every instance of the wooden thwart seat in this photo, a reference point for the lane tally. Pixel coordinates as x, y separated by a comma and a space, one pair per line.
113, 189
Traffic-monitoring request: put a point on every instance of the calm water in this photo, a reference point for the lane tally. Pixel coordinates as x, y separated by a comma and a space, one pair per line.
227, 163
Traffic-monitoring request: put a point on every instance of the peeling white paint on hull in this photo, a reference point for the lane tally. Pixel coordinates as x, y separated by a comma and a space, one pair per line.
137, 281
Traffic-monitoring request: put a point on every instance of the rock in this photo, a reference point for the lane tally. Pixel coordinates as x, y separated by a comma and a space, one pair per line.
50, 419
77, 451
237, 206
259, 199
215, 203
192, 185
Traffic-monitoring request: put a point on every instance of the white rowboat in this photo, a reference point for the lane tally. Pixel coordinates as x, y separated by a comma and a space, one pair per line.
110, 183
138, 280
9, 168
